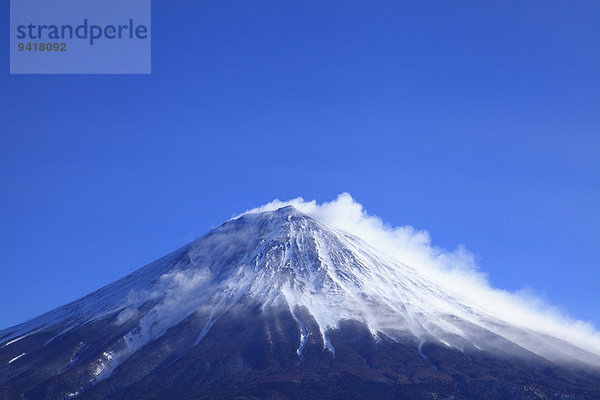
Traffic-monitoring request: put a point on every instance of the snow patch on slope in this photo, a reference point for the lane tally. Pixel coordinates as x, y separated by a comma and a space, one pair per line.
16, 358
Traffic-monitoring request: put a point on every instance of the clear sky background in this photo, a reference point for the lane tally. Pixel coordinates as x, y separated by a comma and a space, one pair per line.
477, 121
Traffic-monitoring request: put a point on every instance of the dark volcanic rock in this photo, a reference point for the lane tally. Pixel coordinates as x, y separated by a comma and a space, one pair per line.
252, 354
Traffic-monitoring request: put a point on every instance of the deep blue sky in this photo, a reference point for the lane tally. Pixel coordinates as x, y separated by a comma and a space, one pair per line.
478, 121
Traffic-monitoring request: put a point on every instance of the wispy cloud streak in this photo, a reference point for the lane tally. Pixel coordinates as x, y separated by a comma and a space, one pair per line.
455, 270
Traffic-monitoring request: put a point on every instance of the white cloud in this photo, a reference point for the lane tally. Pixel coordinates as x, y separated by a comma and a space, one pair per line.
454, 270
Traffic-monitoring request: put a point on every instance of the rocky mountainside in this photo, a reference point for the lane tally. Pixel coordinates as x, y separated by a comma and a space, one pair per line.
278, 305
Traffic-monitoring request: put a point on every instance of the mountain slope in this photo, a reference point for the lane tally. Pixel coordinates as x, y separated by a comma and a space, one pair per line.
278, 304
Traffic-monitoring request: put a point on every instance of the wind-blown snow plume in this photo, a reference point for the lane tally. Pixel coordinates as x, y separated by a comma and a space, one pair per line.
455, 270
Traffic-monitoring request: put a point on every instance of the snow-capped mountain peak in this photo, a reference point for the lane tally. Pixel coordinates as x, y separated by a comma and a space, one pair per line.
274, 260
